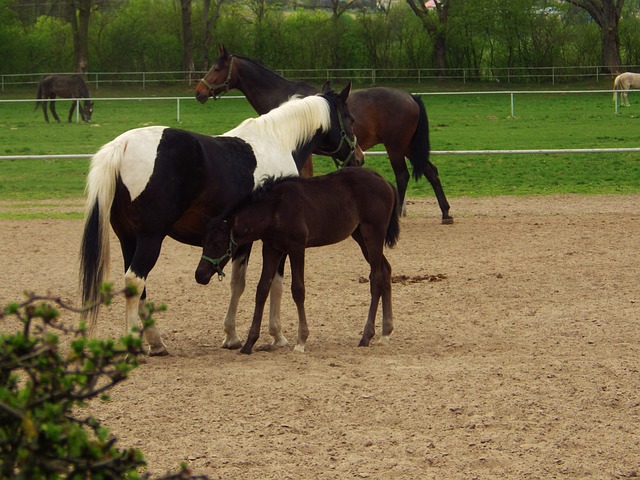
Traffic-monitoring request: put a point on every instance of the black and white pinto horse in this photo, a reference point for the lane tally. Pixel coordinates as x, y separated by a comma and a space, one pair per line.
154, 182
623, 83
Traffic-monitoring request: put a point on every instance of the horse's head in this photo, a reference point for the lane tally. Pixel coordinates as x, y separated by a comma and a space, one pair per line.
341, 143
217, 247
217, 81
87, 110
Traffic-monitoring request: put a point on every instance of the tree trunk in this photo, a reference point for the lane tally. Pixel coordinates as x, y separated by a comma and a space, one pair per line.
610, 56
79, 14
188, 66
606, 13
435, 24
209, 20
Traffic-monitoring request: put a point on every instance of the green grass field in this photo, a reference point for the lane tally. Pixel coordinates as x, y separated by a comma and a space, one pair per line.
458, 122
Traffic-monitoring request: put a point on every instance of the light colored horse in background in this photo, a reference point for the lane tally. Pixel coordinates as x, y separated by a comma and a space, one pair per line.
624, 82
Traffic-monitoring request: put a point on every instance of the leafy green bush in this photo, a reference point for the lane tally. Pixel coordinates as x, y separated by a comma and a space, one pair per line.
42, 381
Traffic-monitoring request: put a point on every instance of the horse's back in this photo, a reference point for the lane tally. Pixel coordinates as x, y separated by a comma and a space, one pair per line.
383, 115
360, 189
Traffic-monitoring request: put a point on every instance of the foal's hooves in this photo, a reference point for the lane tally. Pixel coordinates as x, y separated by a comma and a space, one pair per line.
447, 221
363, 343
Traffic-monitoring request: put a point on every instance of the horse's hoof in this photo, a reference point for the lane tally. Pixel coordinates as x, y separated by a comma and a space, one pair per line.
267, 347
299, 348
447, 221
384, 340
158, 351
279, 341
364, 343
245, 351
232, 344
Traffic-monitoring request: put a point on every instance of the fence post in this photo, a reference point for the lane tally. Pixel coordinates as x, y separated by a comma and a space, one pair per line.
513, 110
178, 107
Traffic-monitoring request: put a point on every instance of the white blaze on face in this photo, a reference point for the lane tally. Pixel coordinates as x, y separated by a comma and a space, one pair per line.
141, 146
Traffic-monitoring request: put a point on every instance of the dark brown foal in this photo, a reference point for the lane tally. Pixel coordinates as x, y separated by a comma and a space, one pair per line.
292, 214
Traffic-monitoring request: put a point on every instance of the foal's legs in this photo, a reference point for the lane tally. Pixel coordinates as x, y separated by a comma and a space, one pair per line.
298, 293
238, 275
271, 258
387, 309
372, 243
275, 301
238, 284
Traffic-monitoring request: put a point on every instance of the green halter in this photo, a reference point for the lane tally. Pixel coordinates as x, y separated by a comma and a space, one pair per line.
217, 261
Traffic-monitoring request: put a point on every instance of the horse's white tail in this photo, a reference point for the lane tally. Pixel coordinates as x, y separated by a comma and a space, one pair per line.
94, 253
616, 87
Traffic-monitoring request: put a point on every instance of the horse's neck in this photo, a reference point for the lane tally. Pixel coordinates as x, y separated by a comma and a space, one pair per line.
302, 154
265, 89
251, 221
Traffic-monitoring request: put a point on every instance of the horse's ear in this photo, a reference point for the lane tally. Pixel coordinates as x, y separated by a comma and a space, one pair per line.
222, 50
344, 94
326, 88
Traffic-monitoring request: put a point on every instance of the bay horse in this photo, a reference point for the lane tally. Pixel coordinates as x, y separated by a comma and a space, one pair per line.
389, 116
153, 182
65, 86
295, 213
623, 83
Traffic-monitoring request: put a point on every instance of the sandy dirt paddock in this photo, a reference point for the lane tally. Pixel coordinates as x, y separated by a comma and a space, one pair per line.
516, 352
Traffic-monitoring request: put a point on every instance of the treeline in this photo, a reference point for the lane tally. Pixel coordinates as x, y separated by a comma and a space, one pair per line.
182, 35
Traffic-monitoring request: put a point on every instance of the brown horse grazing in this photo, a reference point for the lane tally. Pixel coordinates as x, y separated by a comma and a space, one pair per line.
293, 213
65, 86
389, 116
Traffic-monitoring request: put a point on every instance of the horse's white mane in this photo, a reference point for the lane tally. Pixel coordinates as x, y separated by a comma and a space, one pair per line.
292, 123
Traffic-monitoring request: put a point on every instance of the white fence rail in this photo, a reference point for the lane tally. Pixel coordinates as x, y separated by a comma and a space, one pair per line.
511, 94
373, 76
541, 151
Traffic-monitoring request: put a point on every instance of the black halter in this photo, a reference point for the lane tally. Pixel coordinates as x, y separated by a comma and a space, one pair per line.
225, 84
344, 137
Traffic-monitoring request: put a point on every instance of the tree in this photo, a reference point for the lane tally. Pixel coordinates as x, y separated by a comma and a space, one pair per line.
210, 17
43, 381
434, 21
79, 14
606, 14
188, 65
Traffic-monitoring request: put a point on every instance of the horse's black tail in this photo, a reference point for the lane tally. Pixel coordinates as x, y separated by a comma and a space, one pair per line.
393, 229
420, 146
94, 251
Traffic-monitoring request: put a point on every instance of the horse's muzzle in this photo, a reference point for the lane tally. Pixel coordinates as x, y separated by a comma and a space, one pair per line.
204, 272
202, 97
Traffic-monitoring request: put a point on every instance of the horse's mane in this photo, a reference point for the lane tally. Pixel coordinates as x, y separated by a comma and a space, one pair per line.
268, 185
262, 65
256, 196
292, 123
